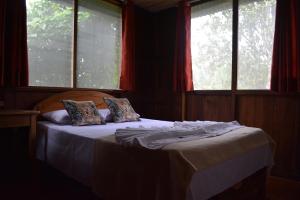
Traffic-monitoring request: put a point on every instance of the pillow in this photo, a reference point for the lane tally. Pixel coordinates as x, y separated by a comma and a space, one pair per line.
83, 112
58, 117
106, 115
121, 110
62, 117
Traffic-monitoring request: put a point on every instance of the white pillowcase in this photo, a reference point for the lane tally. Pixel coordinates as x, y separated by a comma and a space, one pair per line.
58, 117
62, 117
106, 114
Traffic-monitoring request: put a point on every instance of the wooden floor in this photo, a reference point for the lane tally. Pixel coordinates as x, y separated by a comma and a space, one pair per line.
283, 189
48, 184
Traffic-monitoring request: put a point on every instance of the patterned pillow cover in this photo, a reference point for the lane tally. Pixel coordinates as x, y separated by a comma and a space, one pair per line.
83, 112
121, 110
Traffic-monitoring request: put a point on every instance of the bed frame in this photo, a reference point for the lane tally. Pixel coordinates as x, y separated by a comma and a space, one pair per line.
55, 102
252, 187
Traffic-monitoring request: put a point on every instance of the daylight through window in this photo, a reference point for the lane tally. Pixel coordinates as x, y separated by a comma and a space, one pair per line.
50, 43
211, 41
256, 33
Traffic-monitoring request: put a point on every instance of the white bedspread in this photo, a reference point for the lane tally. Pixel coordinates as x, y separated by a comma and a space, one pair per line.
71, 149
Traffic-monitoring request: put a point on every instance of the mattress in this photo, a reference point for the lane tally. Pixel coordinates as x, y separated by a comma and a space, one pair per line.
71, 149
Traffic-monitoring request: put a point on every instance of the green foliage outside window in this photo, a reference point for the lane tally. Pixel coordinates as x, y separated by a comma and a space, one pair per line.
50, 45
212, 44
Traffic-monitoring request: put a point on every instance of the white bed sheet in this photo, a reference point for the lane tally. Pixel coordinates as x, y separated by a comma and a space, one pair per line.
70, 150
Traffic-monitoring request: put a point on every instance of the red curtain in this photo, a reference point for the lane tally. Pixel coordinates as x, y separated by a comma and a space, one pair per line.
285, 63
182, 75
13, 44
127, 78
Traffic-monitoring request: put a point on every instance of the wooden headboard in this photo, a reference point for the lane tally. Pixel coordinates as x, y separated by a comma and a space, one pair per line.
54, 102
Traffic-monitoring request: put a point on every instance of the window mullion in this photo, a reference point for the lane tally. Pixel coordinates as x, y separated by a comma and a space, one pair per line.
235, 21
74, 52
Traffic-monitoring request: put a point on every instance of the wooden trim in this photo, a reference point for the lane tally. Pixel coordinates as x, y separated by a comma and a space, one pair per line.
235, 25
59, 89
234, 69
120, 91
265, 92
183, 106
211, 92
242, 93
74, 55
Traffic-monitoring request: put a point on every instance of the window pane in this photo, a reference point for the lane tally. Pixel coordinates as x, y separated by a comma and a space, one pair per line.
49, 27
99, 45
256, 32
211, 43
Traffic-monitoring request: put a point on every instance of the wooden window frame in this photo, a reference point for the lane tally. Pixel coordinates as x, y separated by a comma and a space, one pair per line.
74, 48
234, 72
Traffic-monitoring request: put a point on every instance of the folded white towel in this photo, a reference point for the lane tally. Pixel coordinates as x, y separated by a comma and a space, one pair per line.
158, 137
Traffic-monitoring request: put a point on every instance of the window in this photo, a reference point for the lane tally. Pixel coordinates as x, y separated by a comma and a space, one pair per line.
256, 33
49, 27
51, 43
212, 41
98, 54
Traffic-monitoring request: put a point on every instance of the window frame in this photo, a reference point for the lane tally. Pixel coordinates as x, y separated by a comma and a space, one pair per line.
74, 49
234, 69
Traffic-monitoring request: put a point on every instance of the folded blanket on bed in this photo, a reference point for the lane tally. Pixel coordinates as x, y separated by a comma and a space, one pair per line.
158, 137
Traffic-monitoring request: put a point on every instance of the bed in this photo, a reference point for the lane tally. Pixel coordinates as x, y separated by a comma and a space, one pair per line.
233, 165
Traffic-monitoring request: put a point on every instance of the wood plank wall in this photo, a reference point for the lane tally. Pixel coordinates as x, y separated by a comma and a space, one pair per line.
209, 107
155, 43
278, 115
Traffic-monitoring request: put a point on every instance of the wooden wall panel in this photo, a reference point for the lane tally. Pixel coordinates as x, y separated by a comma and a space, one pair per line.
278, 115
144, 46
160, 105
255, 110
154, 61
209, 107
167, 106
164, 39
286, 130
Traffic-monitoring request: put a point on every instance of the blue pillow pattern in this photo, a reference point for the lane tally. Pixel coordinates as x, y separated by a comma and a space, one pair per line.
121, 110
83, 112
